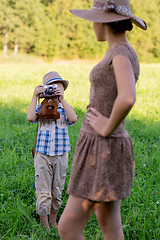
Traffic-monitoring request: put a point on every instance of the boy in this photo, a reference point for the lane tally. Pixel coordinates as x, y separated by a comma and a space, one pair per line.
51, 158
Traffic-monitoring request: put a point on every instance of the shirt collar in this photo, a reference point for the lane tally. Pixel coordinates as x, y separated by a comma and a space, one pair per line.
60, 105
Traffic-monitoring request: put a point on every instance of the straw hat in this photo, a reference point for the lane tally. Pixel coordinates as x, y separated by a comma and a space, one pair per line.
109, 11
52, 77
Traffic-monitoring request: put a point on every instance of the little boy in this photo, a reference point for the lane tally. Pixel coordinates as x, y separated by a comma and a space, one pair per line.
51, 158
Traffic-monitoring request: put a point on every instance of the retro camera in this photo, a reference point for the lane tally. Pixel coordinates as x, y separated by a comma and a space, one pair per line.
49, 92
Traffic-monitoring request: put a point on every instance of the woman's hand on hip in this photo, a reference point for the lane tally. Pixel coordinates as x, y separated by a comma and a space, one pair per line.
97, 121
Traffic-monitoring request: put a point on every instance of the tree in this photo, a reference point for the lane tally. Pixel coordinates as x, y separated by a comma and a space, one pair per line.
47, 28
147, 44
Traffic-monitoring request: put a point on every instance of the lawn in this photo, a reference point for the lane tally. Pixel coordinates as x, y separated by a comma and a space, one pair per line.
18, 218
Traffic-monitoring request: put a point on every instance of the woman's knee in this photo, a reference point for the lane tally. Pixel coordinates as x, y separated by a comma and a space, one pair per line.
108, 216
66, 230
62, 229
69, 228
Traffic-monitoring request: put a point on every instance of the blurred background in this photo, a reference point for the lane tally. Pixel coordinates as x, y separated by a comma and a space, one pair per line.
42, 35
46, 29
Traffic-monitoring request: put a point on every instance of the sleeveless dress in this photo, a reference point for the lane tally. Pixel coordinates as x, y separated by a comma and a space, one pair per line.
103, 167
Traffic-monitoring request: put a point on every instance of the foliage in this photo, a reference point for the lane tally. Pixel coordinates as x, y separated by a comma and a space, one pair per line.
47, 28
147, 44
18, 219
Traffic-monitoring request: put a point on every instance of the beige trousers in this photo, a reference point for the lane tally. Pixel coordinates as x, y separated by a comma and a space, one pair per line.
50, 173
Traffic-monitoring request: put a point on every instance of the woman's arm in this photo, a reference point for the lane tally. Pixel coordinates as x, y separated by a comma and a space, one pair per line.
126, 97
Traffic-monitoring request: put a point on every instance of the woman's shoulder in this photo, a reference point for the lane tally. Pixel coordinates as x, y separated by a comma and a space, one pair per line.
128, 51
123, 49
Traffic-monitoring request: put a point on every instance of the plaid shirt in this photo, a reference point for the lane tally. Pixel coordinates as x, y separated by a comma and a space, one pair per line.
52, 137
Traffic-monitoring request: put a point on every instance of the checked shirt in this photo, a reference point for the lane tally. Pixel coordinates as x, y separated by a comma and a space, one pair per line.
53, 137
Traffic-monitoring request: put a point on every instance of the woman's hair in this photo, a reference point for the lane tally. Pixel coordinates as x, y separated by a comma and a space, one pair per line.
121, 26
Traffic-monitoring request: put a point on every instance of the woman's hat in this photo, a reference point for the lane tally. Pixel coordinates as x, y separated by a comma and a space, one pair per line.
51, 77
109, 11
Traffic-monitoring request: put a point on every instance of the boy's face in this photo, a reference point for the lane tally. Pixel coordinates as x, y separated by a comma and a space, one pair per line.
61, 87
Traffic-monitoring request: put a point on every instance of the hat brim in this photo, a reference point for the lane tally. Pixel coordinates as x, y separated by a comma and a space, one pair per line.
65, 83
101, 16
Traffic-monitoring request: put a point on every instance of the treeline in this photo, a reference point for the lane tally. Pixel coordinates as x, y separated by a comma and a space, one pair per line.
47, 28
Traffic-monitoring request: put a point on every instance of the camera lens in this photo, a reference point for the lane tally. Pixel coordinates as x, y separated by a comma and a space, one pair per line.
50, 90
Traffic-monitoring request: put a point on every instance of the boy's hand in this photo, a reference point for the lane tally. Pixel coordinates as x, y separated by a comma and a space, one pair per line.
59, 91
38, 89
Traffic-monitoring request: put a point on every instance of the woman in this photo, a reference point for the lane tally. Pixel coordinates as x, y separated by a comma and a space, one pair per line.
103, 164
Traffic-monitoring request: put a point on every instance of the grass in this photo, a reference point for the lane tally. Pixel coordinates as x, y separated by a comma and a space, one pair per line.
18, 218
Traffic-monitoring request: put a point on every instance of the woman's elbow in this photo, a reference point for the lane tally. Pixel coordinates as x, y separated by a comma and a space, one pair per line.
130, 102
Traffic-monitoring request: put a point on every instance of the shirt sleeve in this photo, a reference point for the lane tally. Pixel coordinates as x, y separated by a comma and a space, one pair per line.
38, 109
130, 54
121, 50
67, 120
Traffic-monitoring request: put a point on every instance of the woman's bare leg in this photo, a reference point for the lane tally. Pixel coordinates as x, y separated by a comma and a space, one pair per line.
109, 219
74, 218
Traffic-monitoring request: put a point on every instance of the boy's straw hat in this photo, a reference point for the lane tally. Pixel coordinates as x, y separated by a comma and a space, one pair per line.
51, 77
109, 11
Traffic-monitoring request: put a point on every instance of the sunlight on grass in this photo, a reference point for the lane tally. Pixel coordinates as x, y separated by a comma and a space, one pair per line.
148, 93
18, 82
18, 218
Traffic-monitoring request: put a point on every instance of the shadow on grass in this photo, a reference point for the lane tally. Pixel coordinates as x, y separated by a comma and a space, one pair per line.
17, 195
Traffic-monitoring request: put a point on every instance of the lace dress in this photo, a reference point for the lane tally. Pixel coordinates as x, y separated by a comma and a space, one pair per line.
103, 168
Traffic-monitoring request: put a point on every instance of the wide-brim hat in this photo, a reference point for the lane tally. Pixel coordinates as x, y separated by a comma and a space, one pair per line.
51, 77
109, 11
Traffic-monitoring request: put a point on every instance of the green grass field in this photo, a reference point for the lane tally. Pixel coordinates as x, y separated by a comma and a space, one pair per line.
18, 218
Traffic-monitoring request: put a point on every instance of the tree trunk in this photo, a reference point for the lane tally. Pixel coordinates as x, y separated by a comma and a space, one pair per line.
5, 44
59, 11
16, 47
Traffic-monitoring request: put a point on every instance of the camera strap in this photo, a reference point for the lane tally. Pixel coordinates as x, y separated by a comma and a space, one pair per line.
35, 142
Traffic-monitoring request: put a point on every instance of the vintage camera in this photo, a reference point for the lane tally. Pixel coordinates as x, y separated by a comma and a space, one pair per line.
49, 92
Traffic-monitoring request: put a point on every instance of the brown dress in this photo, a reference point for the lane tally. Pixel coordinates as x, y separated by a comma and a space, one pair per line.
103, 168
